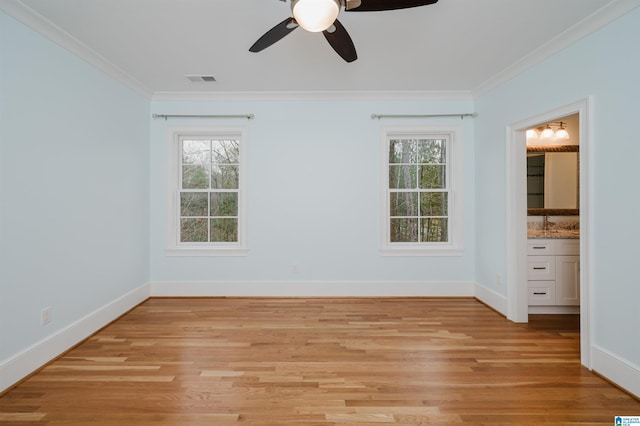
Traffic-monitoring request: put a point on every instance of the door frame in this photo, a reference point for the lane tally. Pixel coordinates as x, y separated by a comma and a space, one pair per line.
516, 273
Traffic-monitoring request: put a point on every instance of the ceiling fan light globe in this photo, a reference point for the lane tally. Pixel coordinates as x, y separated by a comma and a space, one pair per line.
315, 15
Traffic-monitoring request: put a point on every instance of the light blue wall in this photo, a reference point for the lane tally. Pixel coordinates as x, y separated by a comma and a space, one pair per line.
606, 66
74, 188
314, 194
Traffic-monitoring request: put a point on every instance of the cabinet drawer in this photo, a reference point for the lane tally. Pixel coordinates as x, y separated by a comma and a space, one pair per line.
542, 293
541, 268
540, 248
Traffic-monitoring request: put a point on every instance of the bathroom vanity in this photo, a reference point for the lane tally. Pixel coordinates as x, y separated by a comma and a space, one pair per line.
553, 274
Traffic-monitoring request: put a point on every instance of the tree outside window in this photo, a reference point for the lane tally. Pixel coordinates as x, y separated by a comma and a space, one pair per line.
209, 190
418, 190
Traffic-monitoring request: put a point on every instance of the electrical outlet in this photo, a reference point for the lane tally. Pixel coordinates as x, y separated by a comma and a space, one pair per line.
498, 279
296, 268
46, 315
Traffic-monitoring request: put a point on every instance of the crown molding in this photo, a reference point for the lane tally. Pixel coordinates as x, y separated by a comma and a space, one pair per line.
35, 21
415, 95
598, 19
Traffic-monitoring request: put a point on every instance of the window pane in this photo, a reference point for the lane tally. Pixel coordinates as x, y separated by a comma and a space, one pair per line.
195, 177
432, 177
225, 177
224, 230
224, 204
194, 204
434, 230
402, 177
404, 230
432, 151
403, 204
402, 151
434, 204
226, 151
193, 230
196, 152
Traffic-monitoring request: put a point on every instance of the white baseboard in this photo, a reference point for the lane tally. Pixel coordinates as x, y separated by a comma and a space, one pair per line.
312, 289
491, 298
554, 309
19, 366
619, 371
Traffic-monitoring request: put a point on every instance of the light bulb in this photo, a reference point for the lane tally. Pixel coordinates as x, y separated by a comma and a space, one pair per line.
562, 133
547, 133
532, 134
315, 15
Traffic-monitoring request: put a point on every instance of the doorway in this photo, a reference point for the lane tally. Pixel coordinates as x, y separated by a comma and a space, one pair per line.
516, 274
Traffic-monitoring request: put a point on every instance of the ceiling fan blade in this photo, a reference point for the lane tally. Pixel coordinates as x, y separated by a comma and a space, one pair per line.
341, 42
380, 5
274, 34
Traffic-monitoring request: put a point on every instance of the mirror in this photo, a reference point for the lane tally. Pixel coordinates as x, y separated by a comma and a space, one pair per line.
553, 179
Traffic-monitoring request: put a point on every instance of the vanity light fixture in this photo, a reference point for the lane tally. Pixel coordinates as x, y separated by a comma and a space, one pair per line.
547, 132
315, 15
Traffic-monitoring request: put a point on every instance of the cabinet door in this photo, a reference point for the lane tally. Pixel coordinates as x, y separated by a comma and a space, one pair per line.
568, 280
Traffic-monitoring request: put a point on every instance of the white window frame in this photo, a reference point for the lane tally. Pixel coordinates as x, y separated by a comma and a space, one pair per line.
174, 169
455, 176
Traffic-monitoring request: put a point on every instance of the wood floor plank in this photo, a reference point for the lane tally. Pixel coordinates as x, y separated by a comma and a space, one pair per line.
305, 362
21, 417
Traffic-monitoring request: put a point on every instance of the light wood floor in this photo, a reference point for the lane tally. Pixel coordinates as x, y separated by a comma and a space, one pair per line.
320, 362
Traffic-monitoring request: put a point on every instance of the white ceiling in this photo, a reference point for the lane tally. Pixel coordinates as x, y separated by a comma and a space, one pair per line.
453, 45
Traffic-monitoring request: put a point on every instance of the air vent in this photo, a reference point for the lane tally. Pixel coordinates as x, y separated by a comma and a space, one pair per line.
201, 78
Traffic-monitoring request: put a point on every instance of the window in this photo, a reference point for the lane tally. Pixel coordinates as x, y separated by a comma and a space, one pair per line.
422, 192
207, 208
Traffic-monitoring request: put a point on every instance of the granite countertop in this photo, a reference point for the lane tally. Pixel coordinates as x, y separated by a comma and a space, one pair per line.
553, 233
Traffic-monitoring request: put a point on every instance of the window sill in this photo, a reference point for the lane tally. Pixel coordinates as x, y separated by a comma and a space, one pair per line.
206, 252
421, 251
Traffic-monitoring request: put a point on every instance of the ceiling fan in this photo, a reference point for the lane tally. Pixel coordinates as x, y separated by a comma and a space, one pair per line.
321, 16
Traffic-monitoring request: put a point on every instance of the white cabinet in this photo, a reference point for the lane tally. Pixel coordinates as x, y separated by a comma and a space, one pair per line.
553, 272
